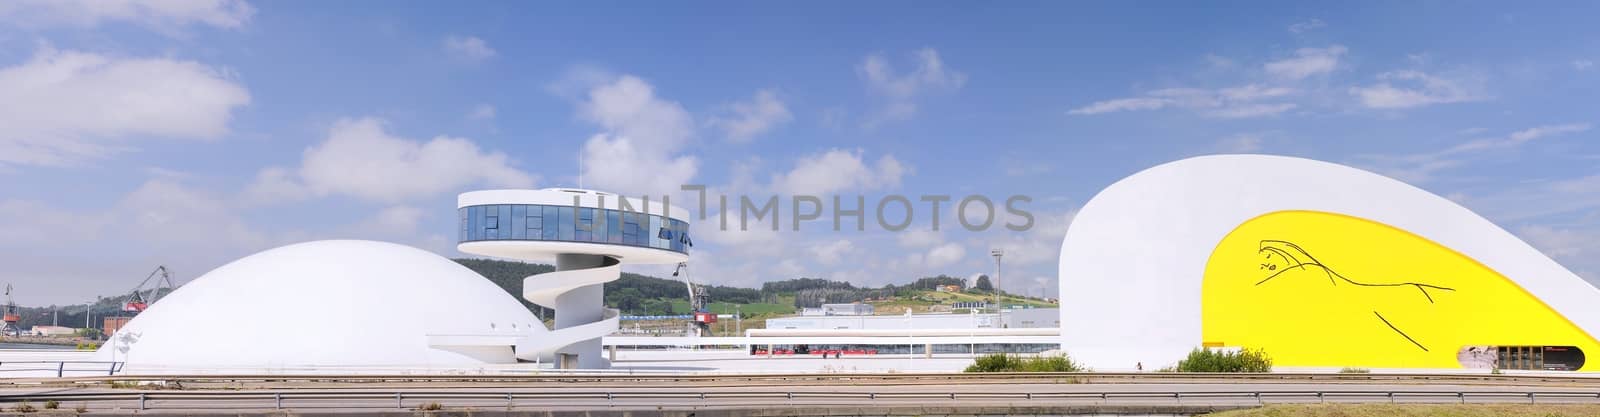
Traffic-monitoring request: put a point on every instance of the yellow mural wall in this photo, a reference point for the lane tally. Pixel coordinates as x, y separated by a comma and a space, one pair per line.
1319, 289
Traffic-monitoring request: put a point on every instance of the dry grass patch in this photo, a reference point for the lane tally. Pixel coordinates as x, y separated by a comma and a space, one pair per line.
1409, 410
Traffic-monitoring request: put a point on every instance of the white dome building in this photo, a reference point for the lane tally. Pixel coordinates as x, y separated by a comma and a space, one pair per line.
328, 304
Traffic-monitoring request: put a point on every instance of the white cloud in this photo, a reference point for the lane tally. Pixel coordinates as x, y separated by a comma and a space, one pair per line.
919, 238
1573, 247
638, 151
1251, 110
469, 47
1582, 64
1544, 131
618, 164
1410, 88
837, 170
167, 15
66, 254
360, 159
169, 213
1039, 245
1252, 92
1122, 104
831, 253
629, 108
750, 118
1231, 102
901, 90
1307, 26
944, 255
1420, 167
1560, 243
482, 112
399, 220
1243, 143
1307, 62
1569, 196
65, 107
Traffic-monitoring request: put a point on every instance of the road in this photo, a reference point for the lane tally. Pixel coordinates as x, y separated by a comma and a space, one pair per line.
914, 399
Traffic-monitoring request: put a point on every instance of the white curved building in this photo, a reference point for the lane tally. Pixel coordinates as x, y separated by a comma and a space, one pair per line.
1318, 264
328, 305
589, 234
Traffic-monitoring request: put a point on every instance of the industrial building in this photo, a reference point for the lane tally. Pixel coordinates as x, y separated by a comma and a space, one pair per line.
841, 309
1318, 264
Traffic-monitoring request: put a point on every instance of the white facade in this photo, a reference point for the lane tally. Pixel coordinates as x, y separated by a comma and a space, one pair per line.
340, 304
1133, 258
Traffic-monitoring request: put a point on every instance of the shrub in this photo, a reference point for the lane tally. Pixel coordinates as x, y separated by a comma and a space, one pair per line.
1349, 370
24, 407
1244, 360
1000, 362
52, 404
433, 406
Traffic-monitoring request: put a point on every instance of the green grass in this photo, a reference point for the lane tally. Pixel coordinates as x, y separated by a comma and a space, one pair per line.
921, 300
1410, 410
682, 307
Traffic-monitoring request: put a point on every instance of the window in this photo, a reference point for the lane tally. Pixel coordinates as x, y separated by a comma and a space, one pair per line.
600, 227
535, 222
654, 237
550, 220
491, 222
613, 227
475, 215
519, 225
568, 223
585, 225
630, 229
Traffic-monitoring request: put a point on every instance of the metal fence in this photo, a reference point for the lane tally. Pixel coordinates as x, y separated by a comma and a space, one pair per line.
60, 368
602, 399
678, 377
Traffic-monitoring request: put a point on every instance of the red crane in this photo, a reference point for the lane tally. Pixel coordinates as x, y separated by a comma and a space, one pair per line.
140, 298
11, 317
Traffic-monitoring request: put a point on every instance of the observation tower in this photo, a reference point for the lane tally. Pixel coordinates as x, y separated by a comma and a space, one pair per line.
590, 234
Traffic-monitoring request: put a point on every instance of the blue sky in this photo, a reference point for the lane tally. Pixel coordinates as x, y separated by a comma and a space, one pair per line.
195, 133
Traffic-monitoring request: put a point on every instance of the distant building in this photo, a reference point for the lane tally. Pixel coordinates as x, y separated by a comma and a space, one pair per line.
948, 288
970, 304
53, 331
112, 324
852, 309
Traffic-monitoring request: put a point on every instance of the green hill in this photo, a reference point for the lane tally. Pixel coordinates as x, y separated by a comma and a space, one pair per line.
646, 295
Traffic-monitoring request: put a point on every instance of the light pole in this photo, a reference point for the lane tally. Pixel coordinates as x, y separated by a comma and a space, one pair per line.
997, 254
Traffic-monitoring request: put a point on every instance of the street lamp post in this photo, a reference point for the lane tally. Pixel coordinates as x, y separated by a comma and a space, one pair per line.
997, 288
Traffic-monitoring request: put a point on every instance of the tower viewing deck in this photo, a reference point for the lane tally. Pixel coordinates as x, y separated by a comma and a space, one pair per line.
590, 235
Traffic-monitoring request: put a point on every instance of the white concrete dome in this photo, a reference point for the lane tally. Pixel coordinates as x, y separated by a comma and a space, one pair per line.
336, 303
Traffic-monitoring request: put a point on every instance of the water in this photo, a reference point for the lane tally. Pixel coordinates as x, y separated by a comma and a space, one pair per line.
33, 346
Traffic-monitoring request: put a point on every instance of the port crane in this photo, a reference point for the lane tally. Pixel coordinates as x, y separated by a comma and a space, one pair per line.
699, 302
141, 297
11, 317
